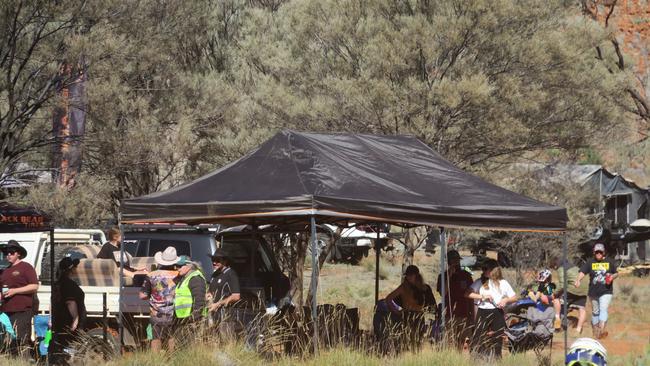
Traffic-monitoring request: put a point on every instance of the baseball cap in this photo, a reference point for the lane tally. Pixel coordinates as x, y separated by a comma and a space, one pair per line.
599, 247
183, 260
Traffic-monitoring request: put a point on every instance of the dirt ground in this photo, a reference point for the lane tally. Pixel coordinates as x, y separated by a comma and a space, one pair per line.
629, 326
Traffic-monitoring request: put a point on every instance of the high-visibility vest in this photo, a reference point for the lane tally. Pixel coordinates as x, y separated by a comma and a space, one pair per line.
183, 301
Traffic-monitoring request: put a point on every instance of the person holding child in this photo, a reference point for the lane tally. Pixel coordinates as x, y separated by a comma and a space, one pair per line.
493, 297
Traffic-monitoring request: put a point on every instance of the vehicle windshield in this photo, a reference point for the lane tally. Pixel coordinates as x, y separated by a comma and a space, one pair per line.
3, 261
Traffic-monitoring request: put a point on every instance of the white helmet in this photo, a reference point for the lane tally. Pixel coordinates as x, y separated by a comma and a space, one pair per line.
543, 275
586, 352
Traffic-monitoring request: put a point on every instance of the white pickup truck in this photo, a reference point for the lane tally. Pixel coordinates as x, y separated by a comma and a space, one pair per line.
99, 279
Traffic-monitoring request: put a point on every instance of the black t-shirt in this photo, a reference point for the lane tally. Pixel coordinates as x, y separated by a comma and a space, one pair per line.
224, 284
597, 271
66, 290
107, 252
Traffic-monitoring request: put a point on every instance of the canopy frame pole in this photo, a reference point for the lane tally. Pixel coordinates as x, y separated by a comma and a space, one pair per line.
120, 319
52, 267
377, 255
443, 278
565, 267
314, 281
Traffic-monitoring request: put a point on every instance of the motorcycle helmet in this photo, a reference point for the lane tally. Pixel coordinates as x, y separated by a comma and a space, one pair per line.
543, 275
586, 352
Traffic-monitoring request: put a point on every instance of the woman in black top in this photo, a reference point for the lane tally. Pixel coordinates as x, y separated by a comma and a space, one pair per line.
68, 310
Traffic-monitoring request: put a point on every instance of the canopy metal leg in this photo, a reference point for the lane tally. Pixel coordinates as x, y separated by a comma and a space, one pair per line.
52, 268
377, 255
314, 281
120, 319
565, 267
443, 278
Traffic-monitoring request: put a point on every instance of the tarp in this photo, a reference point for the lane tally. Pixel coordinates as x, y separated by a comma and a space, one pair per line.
15, 219
338, 177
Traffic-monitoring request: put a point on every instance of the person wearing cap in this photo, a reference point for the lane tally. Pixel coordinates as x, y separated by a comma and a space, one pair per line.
459, 308
576, 296
224, 291
189, 303
159, 288
19, 284
602, 273
68, 309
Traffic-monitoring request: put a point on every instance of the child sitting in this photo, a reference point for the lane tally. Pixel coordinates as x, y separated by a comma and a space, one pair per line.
544, 295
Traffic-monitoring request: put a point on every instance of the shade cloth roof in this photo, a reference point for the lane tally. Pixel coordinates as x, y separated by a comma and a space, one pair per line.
14, 219
338, 177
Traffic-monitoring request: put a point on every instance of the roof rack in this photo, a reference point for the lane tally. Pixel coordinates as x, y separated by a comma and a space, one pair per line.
164, 226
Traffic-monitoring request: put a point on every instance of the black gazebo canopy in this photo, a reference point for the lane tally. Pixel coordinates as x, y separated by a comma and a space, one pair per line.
340, 177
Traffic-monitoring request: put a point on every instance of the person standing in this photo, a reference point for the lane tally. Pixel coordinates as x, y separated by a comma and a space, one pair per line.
458, 307
19, 284
68, 310
576, 296
160, 288
487, 267
223, 292
494, 295
602, 273
189, 302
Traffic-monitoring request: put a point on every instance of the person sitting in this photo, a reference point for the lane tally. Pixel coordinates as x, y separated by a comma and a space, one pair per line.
544, 296
111, 250
409, 300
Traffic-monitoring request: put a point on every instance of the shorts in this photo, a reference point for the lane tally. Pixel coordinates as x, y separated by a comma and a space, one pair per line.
162, 331
576, 300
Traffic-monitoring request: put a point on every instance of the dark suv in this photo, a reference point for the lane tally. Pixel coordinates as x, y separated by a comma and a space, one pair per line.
253, 261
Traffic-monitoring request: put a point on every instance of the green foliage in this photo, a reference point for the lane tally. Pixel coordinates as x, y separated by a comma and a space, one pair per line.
86, 205
179, 88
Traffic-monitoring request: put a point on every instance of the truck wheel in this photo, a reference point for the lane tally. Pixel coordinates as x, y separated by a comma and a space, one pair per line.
94, 350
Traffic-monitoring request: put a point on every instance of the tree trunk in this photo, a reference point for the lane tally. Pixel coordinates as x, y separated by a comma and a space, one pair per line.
296, 272
69, 125
413, 239
333, 238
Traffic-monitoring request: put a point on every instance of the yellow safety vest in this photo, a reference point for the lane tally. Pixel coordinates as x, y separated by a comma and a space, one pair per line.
183, 301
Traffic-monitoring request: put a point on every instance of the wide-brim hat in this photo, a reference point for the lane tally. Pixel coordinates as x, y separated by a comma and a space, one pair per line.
167, 257
220, 253
14, 245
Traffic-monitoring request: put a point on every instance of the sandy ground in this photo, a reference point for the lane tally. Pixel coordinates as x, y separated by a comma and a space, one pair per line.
354, 286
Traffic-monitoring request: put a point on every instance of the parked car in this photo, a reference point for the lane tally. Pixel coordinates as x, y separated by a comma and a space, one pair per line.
260, 276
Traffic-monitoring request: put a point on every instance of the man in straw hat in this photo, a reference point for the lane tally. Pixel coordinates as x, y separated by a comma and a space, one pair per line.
159, 288
19, 284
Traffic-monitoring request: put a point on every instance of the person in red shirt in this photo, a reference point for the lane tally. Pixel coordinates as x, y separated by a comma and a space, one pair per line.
19, 284
458, 308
